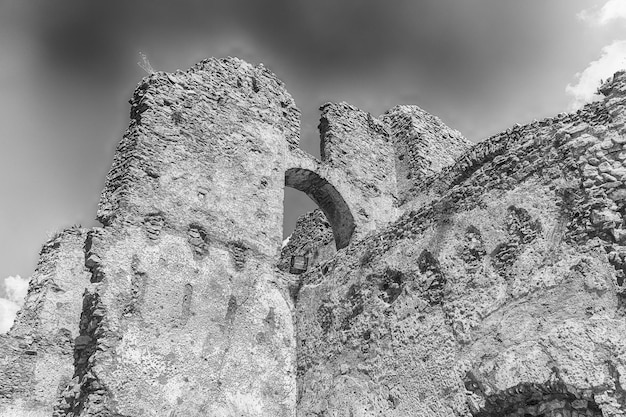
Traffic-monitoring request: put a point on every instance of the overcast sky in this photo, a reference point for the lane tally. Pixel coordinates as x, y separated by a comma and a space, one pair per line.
68, 68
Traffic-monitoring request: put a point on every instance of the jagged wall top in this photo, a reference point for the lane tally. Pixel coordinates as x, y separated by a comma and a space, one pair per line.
215, 76
614, 85
424, 145
190, 128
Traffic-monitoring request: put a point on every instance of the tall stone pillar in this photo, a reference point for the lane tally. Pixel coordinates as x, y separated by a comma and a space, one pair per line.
355, 143
188, 317
423, 146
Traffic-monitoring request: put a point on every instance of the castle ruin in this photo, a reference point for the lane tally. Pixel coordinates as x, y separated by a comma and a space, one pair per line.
442, 278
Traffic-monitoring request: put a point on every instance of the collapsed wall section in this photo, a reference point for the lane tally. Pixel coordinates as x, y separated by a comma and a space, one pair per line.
36, 356
423, 145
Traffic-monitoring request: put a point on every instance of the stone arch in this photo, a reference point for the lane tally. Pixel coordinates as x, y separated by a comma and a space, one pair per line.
329, 200
552, 398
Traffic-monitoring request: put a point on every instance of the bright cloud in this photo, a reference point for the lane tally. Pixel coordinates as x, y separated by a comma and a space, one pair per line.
613, 59
612, 10
16, 288
8, 310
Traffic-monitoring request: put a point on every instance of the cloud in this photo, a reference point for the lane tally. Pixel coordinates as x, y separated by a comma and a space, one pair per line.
8, 310
613, 59
16, 289
612, 10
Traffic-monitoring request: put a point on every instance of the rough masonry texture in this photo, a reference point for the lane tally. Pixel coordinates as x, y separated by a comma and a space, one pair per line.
444, 278
37, 356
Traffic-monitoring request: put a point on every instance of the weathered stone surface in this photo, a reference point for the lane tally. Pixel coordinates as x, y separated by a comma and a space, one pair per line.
462, 281
423, 145
36, 356
187, 316
359, 145
497, 285
312, 237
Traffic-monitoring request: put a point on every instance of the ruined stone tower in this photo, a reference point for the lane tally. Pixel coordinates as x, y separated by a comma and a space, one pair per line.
443, 278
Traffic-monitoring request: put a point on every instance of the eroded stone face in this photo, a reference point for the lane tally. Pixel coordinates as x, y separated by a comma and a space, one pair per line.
506, 274
423, 146
37, 355
186, 315
312, 238
171, 331
359, 145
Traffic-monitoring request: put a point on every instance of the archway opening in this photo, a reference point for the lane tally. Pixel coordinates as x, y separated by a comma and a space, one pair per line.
328, 199
295, 205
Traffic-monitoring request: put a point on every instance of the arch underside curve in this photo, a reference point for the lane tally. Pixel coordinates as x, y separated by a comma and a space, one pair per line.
327, 198
552, 398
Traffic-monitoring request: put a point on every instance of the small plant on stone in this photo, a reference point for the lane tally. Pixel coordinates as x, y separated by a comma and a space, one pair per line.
145, 64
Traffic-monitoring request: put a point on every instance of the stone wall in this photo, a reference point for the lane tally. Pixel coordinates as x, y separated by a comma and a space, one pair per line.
423, 145
499, 294
310, 237
37, 355
194, 140
354, 142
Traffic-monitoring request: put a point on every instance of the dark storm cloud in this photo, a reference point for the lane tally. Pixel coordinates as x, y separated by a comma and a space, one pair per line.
310, 30
94, 39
